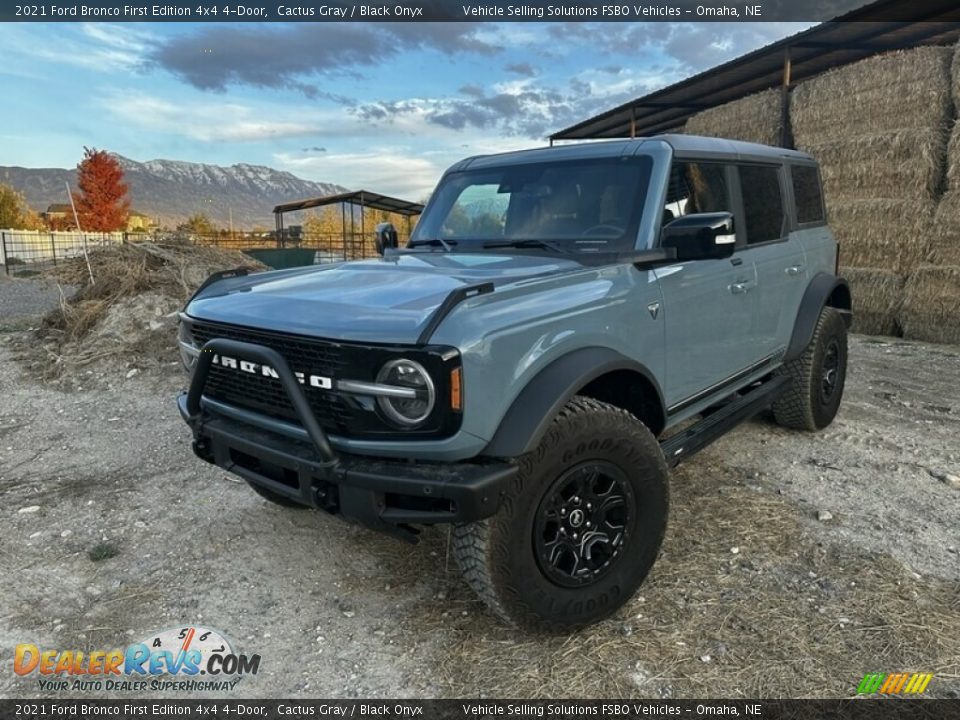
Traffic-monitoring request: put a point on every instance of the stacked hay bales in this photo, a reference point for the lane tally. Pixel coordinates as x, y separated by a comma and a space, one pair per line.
879, 130
755, 118
931, 308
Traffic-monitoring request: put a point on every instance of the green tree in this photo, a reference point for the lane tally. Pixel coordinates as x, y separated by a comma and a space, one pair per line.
197, 224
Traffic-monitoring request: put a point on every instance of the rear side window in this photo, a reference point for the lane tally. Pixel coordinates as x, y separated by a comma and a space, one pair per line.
762, 203
806, 193
696, 188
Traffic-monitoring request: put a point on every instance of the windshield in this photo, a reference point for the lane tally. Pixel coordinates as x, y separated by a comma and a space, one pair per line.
572, 206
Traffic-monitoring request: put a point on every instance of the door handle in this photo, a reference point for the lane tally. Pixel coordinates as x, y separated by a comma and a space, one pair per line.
793, 269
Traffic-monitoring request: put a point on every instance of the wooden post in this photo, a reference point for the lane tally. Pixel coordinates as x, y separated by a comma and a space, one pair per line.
633, 122
785, 135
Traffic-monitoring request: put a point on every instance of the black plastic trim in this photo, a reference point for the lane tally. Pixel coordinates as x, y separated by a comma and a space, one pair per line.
446, 307
692, 440
717, 387
544, 396
816, 296
217, 277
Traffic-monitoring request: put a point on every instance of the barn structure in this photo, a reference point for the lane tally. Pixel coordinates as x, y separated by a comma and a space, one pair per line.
875, 100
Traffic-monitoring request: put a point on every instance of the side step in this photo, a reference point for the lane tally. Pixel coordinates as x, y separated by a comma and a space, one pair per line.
702, 433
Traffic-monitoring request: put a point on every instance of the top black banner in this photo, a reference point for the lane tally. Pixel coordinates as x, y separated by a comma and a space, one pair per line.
483, 11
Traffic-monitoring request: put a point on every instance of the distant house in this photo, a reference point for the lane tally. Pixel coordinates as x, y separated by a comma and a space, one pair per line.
140, 222
56, 213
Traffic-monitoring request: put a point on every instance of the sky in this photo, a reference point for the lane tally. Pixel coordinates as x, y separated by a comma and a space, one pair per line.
384, 107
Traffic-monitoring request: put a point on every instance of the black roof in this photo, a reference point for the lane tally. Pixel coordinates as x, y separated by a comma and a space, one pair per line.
846, 39
359, 197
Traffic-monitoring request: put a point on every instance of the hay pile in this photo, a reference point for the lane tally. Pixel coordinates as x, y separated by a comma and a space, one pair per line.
931, 306
879, 129
755, 118
877, 295
128, 314
883, 233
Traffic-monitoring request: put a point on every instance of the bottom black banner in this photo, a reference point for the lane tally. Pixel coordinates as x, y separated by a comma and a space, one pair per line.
886, 709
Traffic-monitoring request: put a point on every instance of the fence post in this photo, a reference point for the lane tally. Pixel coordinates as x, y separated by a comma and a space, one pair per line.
53, 248
3, 250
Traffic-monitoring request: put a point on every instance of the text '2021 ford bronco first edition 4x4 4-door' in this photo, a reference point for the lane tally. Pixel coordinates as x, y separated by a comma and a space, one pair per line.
521, 367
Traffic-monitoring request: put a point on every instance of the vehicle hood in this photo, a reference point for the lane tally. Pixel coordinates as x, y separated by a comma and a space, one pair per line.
386, 300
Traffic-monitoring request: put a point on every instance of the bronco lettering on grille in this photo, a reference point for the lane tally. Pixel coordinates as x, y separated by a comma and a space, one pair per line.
317, 381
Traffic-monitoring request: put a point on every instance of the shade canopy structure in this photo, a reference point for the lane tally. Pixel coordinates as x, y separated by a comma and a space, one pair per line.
364, 198
846, 39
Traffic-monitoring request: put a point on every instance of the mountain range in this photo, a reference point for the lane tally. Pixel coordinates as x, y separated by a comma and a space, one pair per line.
170, 191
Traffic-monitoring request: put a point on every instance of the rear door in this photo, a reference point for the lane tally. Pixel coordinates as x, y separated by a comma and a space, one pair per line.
707, 304
778, 259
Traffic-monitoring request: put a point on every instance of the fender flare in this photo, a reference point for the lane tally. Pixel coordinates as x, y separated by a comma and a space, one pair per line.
532, 411
824, 290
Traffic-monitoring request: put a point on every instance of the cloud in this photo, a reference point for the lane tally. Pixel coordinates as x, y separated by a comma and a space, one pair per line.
223, 122
295, 56
524, 68
390, 171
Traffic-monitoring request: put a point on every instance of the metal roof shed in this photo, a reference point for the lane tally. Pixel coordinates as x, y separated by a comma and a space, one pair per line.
854, 36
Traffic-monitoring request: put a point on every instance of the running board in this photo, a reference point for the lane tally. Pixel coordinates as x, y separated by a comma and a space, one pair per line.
705, 431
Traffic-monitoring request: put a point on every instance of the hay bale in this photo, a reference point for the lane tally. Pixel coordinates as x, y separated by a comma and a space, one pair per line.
893, 91
877, 296
755, 118
877, 233
901, 164
931, 305
953, 158
945, 239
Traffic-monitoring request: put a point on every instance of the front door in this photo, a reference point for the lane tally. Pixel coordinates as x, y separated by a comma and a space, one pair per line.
708, 305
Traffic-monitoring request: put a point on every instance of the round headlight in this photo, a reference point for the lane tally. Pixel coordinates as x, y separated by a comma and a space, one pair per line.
189, 352
407, 411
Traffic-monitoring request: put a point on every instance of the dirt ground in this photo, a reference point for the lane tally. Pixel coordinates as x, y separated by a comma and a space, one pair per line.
794, 563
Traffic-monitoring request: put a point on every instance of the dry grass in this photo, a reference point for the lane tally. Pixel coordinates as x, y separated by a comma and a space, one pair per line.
904, 164
945, 243
130, 307
775, 619
878, 233
877, 295
755, 118
931, 306
889, 92
956, 75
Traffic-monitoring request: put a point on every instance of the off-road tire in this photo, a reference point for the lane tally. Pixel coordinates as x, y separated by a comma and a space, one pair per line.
806, 404
498, 558
276, 498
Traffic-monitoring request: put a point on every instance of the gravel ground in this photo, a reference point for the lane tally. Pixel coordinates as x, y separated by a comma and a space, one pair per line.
794, 562
22, 299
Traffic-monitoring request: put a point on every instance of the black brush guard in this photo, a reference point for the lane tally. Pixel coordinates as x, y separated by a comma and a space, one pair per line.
386, 495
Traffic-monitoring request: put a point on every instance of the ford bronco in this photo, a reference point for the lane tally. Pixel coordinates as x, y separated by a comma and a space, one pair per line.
564, 325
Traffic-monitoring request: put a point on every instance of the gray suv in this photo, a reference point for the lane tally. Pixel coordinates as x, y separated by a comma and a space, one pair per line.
564, 325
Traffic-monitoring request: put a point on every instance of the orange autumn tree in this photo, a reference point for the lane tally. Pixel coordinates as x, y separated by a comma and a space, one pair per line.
102, 202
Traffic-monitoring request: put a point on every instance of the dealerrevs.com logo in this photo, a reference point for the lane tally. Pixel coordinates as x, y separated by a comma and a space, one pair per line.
186, 659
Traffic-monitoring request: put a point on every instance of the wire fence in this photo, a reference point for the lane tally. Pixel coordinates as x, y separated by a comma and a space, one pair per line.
29, 251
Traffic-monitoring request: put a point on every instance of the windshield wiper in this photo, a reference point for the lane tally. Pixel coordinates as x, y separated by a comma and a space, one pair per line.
447, 245
529, 243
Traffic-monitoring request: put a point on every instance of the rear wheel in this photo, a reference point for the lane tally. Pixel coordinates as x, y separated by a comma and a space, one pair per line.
813, 397
579, 527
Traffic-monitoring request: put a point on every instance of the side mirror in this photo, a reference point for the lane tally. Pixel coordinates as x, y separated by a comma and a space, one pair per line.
386, 236
701, 236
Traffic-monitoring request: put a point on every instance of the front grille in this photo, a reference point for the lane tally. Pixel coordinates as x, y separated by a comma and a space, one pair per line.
334, 412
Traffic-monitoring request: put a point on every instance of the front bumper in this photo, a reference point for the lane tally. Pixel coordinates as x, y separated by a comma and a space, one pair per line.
386, 495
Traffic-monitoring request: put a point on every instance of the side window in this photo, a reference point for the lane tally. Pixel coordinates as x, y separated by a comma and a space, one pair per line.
806, 193
696, 188
762, 203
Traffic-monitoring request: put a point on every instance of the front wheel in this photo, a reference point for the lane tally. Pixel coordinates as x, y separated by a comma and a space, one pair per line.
817, 377
579, 527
